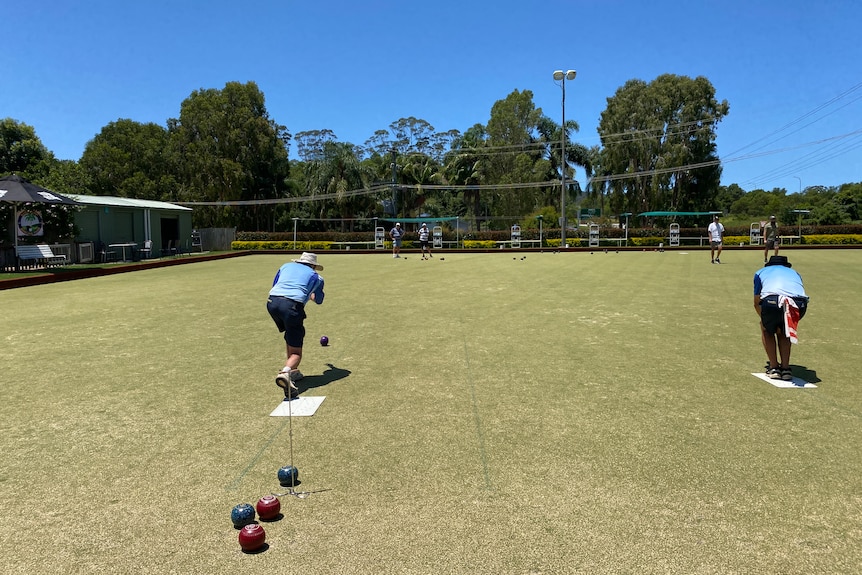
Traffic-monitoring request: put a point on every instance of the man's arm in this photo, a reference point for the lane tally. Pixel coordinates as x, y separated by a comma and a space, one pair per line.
317, 294
758, 288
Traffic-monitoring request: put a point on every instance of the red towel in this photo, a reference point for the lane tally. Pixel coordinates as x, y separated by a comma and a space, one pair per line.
791, 317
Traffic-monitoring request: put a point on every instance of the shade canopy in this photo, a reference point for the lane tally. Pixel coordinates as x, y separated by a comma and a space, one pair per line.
17, 190
427, 220
671, 214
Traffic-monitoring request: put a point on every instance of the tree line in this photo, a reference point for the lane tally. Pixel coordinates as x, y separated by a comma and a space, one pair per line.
228, 158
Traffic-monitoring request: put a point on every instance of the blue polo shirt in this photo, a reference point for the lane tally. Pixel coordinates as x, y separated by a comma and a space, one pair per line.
297, 282
778, 280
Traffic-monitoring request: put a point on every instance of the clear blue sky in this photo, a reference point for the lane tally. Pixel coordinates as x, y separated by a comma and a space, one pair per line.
790, 69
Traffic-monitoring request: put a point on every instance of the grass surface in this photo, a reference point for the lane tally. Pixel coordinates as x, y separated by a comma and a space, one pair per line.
563, 413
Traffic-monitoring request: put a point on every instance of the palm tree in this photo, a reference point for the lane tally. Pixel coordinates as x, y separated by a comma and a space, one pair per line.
576, 154
465, 166
338, 172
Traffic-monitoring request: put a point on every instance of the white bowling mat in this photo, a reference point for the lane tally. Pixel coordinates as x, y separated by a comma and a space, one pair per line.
299, 407
797, 383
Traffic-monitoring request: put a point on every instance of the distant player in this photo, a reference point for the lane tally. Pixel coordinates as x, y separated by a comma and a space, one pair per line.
396, 234
423, 241
715, 231
770, 235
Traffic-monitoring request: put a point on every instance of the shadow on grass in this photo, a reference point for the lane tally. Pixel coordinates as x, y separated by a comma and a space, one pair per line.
808, 375
257, 551
327, 377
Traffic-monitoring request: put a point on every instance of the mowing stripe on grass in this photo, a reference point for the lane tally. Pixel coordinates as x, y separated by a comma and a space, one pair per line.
478, 420
238, 479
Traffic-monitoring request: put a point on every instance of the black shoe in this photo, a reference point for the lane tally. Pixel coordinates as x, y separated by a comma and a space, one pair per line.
786, 374
766, 369
718, 261
774, 373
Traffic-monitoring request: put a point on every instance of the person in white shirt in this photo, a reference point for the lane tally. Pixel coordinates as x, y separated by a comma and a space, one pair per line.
715, 231
423, 240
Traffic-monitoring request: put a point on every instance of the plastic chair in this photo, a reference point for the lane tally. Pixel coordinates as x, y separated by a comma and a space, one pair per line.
146, 252
106, 255
169, 249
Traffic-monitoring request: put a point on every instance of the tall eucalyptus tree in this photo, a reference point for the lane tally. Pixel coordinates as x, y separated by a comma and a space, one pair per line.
659, 143
229, 149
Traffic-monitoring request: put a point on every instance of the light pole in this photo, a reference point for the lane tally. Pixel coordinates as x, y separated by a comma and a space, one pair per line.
561, 77
540, 217
627, 214
800, 183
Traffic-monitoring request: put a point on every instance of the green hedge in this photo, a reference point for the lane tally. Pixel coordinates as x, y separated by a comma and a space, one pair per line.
281, 245
479, 244
306, 246
832, 239
647, 241
557, 242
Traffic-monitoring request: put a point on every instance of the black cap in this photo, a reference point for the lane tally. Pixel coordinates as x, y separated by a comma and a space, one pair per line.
779, 261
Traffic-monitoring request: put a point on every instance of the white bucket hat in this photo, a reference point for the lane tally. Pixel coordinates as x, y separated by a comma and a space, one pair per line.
310, 259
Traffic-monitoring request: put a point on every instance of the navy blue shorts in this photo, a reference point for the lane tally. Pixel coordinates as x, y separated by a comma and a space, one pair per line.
288, 316
772, 316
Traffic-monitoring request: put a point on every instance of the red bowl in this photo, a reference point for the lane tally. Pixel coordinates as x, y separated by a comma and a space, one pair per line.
268, 507
252, 537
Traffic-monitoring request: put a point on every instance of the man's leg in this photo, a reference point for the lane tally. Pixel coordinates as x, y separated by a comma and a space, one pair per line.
294, 356
290, 374
784, 348
769, 347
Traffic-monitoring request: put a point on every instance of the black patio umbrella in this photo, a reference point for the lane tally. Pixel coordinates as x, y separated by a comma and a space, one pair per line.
17, 190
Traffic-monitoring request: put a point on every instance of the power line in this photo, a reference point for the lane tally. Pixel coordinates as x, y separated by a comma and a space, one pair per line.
835, 147
803, 117
370, 191
815, 157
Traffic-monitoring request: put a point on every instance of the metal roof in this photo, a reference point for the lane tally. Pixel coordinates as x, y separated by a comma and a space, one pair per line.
119, 202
